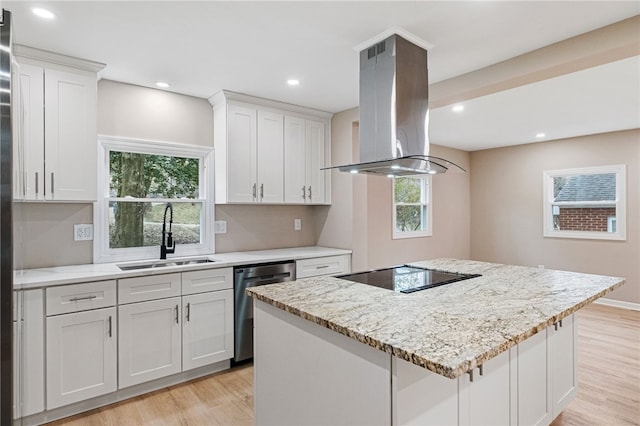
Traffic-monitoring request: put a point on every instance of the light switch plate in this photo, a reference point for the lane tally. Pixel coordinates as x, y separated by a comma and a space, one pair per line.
83, 232
220, 227
297, 224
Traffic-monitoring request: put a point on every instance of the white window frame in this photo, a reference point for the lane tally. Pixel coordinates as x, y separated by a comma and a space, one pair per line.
101, 250
620, 171
426, 201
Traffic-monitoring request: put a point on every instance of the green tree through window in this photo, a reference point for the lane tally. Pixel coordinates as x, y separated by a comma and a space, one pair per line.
411, 205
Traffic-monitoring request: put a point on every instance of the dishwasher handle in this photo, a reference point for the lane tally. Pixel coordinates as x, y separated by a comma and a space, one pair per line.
253, 281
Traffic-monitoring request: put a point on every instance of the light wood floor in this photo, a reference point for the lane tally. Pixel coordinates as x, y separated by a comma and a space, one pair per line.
608, 369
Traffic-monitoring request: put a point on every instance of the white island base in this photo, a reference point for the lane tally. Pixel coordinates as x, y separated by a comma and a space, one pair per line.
306, 374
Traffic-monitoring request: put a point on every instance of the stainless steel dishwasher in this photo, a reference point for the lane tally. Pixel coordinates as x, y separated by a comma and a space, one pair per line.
250, 276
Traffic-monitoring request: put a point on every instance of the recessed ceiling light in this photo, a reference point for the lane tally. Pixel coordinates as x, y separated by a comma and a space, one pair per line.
457, 108
163, 84
540, 135
293, 82
354, 172
43, 13
432, 172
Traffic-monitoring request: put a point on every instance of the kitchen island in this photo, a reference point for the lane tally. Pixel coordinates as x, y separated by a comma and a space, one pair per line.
496, 349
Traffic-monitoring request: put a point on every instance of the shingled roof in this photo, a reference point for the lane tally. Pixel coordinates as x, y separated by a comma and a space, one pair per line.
596, 187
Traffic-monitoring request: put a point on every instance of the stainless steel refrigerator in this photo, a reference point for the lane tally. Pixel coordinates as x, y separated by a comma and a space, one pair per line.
6, 226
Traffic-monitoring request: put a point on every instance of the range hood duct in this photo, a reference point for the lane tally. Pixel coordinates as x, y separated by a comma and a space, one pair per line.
394, 112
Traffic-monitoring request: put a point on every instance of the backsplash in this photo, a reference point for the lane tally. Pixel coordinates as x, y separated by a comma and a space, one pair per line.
44, 231
251, 227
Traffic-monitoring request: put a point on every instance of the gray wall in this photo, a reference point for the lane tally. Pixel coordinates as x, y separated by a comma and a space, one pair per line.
507, 205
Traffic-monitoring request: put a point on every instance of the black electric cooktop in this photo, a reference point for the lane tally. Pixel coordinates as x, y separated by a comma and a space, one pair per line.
407, 279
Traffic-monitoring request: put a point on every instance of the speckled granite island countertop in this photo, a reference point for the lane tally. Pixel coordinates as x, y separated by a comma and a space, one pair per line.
449, 329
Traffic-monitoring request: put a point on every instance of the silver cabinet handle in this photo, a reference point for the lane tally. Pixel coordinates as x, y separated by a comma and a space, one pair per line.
77, 299
177, 313
110, 335
261, 191
52, 190
310, 193
560, 323
36, 183
555, 326
188, 311
480, 367
470, 373
304, 193
254, 191
322, 266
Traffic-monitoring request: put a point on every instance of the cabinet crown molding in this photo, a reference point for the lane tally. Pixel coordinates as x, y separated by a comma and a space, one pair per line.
223, 96
57, 58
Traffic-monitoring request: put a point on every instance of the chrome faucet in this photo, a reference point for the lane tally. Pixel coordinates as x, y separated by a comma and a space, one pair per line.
167, 246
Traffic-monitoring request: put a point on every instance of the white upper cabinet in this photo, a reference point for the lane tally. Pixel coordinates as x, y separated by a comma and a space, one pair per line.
304, 157
270, 183
236, 175
56, 116
269, 152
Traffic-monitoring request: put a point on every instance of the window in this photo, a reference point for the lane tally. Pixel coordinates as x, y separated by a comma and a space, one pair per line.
585, 203
411, 206
137, 179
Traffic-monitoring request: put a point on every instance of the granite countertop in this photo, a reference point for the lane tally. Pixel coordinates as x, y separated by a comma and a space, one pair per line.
449, 329
60, 275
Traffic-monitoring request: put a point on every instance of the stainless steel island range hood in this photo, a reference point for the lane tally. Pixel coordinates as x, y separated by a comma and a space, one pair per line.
394, 112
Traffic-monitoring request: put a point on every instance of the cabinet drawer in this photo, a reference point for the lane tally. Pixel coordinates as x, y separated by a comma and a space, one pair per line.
140, 289
207, 280
330, 265
80, 297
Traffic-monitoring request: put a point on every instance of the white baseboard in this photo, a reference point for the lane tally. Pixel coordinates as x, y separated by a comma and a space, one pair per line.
619, 304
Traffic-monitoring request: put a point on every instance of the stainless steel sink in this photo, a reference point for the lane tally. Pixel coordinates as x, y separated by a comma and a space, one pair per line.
163, 263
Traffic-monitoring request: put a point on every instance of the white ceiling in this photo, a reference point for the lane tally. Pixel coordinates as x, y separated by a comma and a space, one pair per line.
254, 47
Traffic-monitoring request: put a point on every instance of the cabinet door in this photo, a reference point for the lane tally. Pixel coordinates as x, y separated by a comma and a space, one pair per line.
149, 336
70, 135
563, 364
315, 160
486, 400
28, 375
241, 154
207, 328
534, 375
295, 184
81, 356
29, 146
270, 157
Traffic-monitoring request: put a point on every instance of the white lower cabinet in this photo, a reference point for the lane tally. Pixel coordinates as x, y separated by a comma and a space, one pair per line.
328, 265
546, 373
563, 356
149, 336
81, 356
486, 399
207, 328
534, 399
28, 347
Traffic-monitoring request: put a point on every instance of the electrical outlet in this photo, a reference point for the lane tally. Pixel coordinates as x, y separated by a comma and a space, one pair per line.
83, 232
297, 224
220, 227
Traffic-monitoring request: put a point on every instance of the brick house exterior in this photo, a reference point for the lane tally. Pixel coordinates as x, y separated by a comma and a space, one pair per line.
593, 213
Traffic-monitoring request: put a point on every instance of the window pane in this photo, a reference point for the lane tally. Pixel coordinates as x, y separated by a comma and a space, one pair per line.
136, 224
410, 218
588, 188
408, 190
592, 202
152, 176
